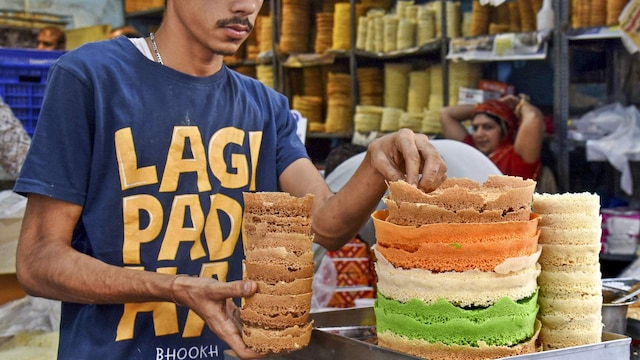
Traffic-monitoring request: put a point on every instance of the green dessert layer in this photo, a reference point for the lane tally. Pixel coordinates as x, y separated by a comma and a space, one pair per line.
504, 323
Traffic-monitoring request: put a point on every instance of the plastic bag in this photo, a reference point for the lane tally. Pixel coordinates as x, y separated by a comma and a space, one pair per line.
492, 2
598, 123
29, 314
325, 281
619, 146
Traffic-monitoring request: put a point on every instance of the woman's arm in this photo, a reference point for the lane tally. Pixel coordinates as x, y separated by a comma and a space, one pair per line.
452, 117
528, 142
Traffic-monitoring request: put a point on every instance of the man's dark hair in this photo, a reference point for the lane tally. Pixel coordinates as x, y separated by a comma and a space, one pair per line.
339, 154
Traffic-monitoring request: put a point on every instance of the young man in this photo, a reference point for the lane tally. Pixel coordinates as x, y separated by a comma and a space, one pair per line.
136, 173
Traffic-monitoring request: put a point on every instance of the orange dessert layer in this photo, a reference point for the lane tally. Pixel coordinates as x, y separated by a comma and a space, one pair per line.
410, 238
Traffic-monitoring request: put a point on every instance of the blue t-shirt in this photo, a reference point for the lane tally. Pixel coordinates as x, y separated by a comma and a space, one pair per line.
159, 160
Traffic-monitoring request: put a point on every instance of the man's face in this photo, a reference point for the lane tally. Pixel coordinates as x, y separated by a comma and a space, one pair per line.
47, 41
221, 25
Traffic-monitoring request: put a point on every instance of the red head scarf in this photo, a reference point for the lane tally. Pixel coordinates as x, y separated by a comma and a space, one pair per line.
507, 118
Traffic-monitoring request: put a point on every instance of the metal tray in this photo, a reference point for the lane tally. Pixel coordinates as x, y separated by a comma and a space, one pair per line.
350, 334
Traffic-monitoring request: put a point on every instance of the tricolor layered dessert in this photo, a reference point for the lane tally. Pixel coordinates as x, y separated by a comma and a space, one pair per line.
457, 269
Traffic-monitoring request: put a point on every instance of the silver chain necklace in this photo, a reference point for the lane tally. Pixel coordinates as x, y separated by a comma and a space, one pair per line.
155, 48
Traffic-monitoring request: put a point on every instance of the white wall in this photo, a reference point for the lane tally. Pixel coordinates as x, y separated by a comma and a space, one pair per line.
82, 12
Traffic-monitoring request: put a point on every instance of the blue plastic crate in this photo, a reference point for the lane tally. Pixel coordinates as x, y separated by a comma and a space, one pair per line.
23, 77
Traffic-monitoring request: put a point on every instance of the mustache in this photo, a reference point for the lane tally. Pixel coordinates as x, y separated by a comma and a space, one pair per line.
236, 21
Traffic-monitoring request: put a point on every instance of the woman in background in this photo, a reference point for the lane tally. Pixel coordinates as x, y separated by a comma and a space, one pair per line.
510, 131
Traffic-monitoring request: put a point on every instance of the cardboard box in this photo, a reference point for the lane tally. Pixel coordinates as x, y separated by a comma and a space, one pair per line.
497, 86
353, 249
345, 297
354, 271
475, 96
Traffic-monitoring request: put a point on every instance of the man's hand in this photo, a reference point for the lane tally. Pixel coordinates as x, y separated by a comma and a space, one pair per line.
212, 301
408, 156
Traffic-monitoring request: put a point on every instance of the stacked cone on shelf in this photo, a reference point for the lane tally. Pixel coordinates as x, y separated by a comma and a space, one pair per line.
309, 107
390, 30
374, 34
410, 120
328, 6
462, 75
296, 26
370, 86
465, 27
264, 74
614, 9
537, 5
426, 25
390, 119
528, 16
436, 98
377, 4
514, 16
312, 84
324, 32
367, 118
481, 16
580, 13
419, 90
406, 34
453, 15
570, 281
500, 19
361, 33
431, 122
264, 33
598, 13
252, 44
339, 103
341, 26
396, 84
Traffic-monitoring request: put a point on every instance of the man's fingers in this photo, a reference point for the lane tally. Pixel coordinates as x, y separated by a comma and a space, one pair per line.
407, 142
227, 325
434, 171
234, 289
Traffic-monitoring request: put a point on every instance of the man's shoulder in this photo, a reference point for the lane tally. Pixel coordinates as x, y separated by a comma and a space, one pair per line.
93, 53
256, 88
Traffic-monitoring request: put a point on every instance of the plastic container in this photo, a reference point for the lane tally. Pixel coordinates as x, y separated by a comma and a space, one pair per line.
545, 17
614, 316
23, 77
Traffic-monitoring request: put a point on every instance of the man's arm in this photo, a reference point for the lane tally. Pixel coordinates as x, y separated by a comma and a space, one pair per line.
337, 218
47, 266
452, 117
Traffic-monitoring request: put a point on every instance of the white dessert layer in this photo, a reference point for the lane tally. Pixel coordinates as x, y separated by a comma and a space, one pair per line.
569, 284
469, 288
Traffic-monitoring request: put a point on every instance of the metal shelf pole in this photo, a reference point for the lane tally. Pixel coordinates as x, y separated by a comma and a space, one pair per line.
561, 93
